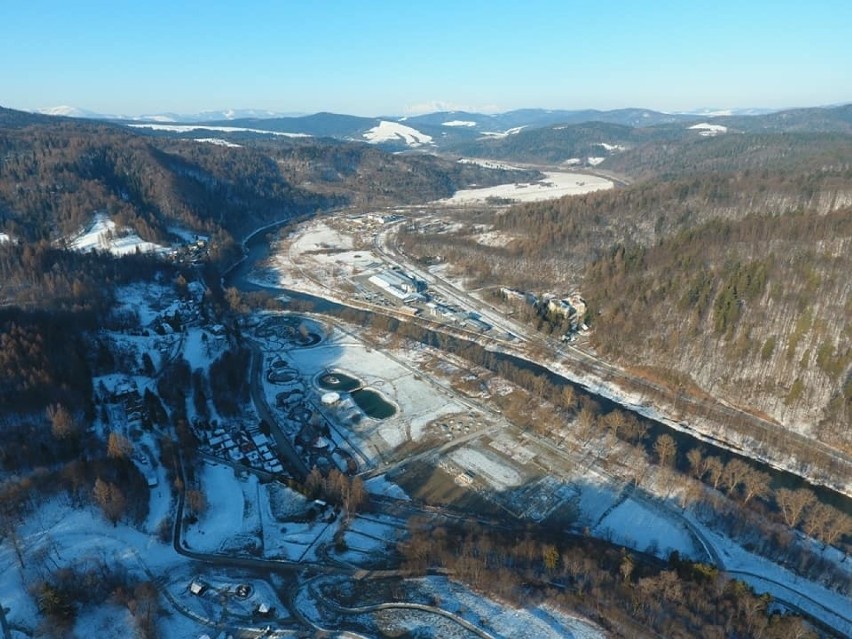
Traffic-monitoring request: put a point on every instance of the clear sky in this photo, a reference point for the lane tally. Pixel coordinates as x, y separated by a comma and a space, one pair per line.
371, 57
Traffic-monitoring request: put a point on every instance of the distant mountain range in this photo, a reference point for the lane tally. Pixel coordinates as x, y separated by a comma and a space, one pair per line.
177, 118
581, 137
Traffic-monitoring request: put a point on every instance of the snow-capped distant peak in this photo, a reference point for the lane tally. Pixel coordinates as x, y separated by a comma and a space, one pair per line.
459, 123
709, 130
69, 112
61, 110
395, 132
156, 118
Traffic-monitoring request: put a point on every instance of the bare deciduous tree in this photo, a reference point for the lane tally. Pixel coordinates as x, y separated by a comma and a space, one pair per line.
666, 449
793, 503
118, 446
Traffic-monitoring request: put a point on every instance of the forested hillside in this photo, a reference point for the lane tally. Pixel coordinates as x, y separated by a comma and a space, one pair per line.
53, 177
762, 154
55, 173
744, 309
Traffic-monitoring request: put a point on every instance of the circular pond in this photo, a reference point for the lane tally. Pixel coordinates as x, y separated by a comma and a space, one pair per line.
338, 382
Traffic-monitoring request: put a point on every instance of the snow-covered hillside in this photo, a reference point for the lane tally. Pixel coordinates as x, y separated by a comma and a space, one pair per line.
104, 235
395, 132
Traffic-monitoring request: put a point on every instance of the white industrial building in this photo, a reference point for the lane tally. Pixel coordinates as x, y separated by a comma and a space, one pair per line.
397, 284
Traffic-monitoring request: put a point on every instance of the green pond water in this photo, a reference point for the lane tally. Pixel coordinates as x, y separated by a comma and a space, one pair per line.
372, 403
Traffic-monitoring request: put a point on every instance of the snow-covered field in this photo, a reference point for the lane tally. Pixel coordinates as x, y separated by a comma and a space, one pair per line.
553, 185
503, 620
496, 472
395, 132
458, 123
225, 508
103, 235
639, 526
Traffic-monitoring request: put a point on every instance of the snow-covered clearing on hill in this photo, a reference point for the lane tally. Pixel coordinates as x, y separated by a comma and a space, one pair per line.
4, 237
709, 130
594, 161
490, 164
555, 184
611, 147
186, 128
493, 238
104, 235
459, 123
220, 142
503, 134
395, 132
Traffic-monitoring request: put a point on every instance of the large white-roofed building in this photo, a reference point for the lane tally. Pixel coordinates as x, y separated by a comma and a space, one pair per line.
397, 284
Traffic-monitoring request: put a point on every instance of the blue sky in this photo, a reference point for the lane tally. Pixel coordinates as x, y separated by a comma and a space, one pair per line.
394, 58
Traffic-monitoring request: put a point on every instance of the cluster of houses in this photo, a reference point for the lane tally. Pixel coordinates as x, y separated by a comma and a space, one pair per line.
193, 252
243, 446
